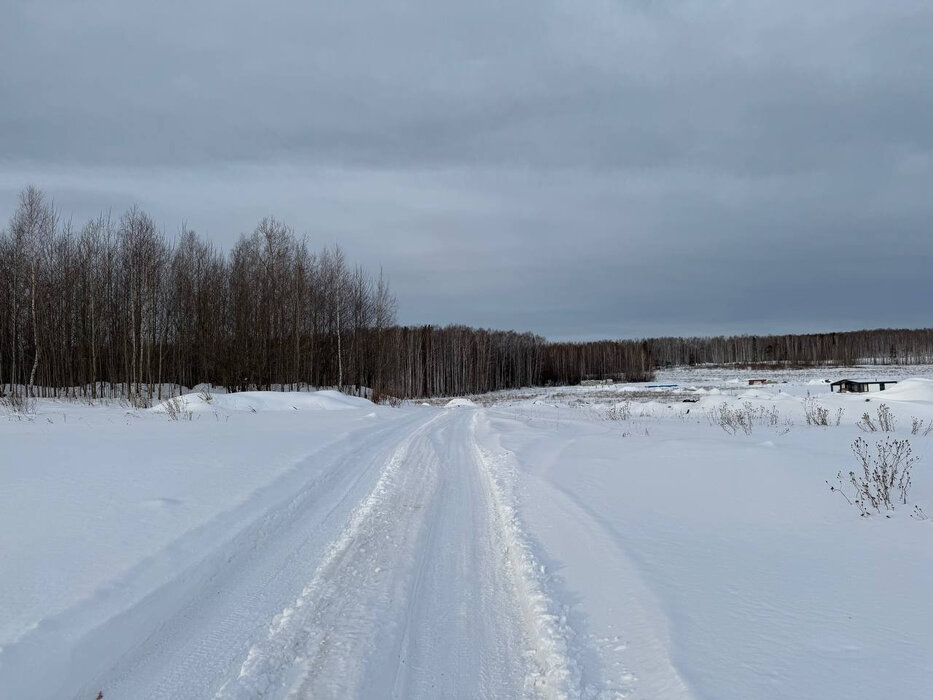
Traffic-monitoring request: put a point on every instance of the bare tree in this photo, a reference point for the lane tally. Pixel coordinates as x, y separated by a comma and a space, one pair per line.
116, 308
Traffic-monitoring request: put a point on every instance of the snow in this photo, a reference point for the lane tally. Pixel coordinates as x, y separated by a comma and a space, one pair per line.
720, 566
460, 403
101, 507
728, 564
256, 401
569, 542
915, 389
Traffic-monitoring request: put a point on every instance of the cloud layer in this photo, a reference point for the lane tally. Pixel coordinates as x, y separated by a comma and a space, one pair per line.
600, 169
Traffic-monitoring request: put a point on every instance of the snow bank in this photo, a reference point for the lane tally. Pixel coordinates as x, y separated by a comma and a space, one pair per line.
263, 401
556, 666
455, 403
915, 389
723, 563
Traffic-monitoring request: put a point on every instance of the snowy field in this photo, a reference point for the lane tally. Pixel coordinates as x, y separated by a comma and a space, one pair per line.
676, 539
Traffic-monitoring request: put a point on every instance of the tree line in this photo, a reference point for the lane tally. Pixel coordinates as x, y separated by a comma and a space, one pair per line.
879, 346
116, 308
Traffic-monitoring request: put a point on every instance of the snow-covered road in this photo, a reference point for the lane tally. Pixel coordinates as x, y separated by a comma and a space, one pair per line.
415, 597
391, 573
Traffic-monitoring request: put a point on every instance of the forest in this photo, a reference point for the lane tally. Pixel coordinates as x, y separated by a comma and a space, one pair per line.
115, 308
873, 347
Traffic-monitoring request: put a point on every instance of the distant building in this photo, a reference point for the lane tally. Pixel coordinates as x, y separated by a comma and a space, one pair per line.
858, 386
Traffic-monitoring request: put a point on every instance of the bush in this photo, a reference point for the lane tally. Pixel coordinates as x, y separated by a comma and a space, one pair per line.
815, 413
620, 411
743, 417
139, 401
386, 399
19, 403
865, 423
176, 409
886, 421
880, 480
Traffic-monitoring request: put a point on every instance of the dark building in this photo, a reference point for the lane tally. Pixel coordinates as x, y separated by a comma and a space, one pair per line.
859, 385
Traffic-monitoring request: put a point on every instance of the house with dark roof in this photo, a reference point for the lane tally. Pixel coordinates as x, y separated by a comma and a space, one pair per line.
859, 386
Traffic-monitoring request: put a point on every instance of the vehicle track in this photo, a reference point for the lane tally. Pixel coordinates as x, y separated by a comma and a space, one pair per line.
398, 573
417, 598
209, 614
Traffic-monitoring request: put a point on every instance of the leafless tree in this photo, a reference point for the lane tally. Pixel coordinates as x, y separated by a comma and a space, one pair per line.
116, 308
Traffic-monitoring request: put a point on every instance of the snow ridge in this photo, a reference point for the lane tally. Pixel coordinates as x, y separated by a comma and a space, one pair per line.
556, 673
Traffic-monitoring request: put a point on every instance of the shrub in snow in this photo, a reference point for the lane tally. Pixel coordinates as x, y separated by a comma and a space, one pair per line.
744, 417
19, 404
138, 401
385, 399
729, 419
883, 478
885, 421
620, 411
176, 408
815, 413
885, 418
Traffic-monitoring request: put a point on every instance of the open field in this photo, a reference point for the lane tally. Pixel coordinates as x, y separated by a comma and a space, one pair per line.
581, 542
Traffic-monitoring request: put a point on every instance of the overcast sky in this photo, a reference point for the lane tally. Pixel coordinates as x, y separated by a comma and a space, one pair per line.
582, 169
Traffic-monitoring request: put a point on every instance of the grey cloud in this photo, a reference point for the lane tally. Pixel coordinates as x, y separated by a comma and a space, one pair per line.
578, 169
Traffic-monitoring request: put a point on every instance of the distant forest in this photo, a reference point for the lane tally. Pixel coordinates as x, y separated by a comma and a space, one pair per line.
114, 308
881, 346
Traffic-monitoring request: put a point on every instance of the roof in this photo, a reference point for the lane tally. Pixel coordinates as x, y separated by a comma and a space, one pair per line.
864, 381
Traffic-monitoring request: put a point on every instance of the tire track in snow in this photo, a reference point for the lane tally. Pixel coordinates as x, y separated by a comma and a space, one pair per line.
621, 641
429, 591
643, 618
184, 639
556, 671
317, 646
462, 632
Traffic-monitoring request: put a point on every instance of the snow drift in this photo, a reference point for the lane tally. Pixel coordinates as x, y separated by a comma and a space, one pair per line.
915, 389
263, 401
